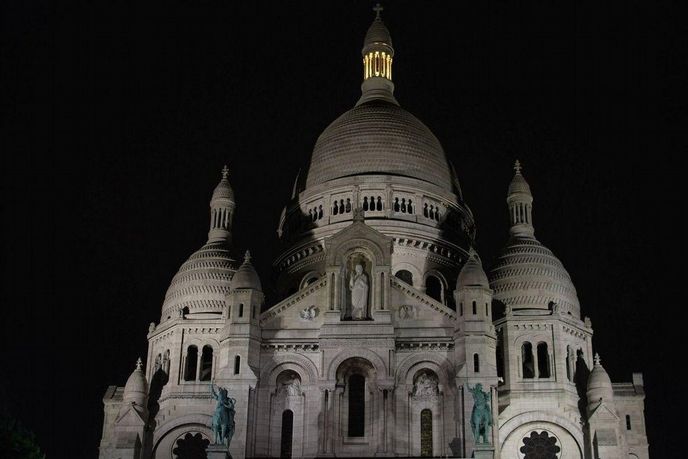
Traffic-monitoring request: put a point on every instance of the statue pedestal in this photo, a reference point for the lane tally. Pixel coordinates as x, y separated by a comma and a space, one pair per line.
481, 452
218, 452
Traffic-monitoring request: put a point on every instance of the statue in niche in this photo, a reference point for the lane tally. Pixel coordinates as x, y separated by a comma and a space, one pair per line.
223, 417
481, 416
290, 386
358, 284
426, 384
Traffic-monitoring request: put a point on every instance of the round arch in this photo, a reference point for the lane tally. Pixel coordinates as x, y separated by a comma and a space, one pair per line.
515, 428
309, 278
415, 272
338, 255
166, 435
298, 363
440, 365
377, 363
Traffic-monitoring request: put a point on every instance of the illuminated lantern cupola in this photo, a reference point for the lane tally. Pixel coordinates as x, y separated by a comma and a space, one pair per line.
377, 55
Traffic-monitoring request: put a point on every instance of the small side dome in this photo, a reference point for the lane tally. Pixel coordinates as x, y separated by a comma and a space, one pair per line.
136, 389
599, 385
518, 184
223, 190
472, 273
246, 276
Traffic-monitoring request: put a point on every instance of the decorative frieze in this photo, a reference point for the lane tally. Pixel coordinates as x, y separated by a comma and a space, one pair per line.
291, 347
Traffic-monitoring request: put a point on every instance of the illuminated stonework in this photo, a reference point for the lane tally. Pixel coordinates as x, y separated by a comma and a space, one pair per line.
377, 64
383, 328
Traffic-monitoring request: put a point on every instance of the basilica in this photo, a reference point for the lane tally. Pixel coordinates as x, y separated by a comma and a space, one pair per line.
390, 338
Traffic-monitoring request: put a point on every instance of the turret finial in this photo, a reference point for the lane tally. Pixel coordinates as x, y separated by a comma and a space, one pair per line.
138, 364
598, 360
378, 9
247, 256
225, 172
517, 166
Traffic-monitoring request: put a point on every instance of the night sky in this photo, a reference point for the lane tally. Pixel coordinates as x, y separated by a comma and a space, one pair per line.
117, 118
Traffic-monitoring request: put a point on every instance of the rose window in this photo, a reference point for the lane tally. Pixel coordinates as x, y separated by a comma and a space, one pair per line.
540, 446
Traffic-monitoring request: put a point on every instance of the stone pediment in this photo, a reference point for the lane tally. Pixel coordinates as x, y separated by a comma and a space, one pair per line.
358, 234
302, 310
413, 308
129, 416
603, 414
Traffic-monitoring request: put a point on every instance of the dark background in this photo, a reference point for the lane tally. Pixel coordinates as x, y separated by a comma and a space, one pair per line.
118, 116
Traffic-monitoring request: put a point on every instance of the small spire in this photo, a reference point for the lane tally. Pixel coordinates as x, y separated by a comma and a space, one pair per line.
225, 172
247, 257
138, 364
378, 9
517, 166
598, 360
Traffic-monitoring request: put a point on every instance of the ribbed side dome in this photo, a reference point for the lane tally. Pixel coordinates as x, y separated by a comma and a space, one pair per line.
518, 185
223, 191
378, 138
201, 282
528, 275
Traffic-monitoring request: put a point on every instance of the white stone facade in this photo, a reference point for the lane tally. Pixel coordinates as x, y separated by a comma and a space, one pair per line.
390, 372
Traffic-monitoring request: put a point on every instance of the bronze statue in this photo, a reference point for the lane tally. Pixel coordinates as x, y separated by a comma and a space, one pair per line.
223, 418
481, 416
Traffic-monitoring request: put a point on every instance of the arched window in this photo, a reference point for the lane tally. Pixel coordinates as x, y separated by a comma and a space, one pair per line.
426, 433
287, 433
460, 309
527, 360
476, 363
475, 308
191, 363
356, 406
543, 360
237, 364
192, 445
433, 288
405, 275
241, 309
569, 354
500, 354
206, 363
628, 422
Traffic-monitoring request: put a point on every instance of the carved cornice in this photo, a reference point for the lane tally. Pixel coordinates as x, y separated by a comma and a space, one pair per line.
290, 347
415, 346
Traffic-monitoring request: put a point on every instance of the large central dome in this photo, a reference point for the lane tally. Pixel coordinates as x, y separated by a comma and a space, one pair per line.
378, 137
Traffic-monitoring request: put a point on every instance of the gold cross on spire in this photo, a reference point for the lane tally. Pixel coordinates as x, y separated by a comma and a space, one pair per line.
378, 9
517, 166
225, 172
